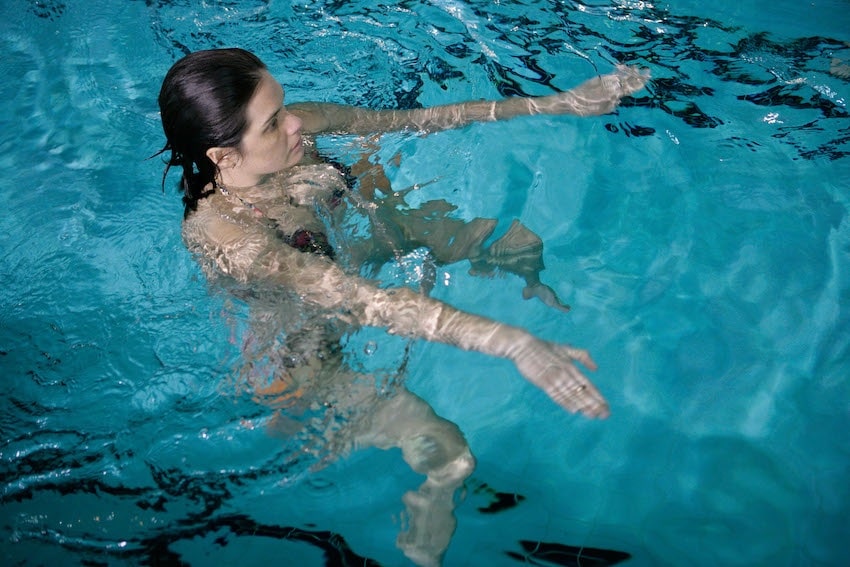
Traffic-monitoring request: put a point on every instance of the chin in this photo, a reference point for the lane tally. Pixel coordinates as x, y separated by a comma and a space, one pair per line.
296, 156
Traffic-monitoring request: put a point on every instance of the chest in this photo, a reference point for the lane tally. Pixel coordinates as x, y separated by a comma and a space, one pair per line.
295, 199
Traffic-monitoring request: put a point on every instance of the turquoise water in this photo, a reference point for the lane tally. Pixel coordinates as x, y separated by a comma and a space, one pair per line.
700, 234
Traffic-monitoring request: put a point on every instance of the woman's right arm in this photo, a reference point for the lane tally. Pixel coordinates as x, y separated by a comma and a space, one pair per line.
402, 311
253, 254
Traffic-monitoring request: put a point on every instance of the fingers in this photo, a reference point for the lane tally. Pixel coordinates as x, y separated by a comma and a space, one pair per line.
551, 368
598, 411
571, 390
579, 354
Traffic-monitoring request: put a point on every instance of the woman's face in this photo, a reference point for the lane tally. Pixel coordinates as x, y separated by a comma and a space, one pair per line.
272, 140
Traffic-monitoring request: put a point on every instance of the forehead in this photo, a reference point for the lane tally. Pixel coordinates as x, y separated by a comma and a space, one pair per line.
266, 101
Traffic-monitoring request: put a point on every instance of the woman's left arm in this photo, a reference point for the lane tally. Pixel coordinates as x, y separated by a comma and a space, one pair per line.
599, 95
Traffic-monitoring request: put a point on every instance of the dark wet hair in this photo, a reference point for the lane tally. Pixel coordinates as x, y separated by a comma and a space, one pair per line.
202, 103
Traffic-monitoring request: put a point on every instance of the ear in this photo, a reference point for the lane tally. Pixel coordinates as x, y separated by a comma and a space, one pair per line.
224, 158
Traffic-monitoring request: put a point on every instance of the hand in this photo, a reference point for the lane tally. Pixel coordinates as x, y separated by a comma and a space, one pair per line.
599, 95
550, 367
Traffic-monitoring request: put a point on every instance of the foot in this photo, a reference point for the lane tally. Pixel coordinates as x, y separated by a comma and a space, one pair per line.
545, 294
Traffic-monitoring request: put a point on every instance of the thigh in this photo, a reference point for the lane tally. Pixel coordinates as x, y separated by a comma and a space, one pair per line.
428, 441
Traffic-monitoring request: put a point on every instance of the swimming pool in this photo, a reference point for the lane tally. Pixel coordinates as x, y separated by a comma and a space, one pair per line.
700, 235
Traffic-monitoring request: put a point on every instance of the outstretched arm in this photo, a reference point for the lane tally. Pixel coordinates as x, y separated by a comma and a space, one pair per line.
599, 95
402, 311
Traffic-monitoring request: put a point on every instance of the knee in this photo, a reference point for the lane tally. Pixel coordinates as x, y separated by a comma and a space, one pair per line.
444, 459
455, 471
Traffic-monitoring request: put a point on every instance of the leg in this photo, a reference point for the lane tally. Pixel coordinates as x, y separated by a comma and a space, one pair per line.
398, 229
519, 251
436, 448
449, 239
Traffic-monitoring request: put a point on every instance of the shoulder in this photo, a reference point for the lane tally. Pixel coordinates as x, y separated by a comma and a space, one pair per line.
229, 245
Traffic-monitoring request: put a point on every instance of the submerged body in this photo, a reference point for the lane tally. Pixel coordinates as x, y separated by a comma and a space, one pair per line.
247, 234
255, 204
308, 380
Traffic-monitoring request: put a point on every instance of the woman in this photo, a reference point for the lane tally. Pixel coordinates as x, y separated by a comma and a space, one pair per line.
255, 195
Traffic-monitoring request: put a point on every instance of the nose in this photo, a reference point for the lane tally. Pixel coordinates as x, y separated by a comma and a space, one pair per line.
292, 124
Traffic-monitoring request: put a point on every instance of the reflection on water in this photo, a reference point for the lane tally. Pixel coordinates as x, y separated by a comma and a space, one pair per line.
703, 255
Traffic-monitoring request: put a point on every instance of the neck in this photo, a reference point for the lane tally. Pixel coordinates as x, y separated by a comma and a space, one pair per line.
233, 180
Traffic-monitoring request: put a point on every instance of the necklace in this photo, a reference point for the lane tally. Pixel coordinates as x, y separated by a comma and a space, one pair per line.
247, 204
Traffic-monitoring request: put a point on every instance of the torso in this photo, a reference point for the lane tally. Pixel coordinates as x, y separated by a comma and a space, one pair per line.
229, 231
